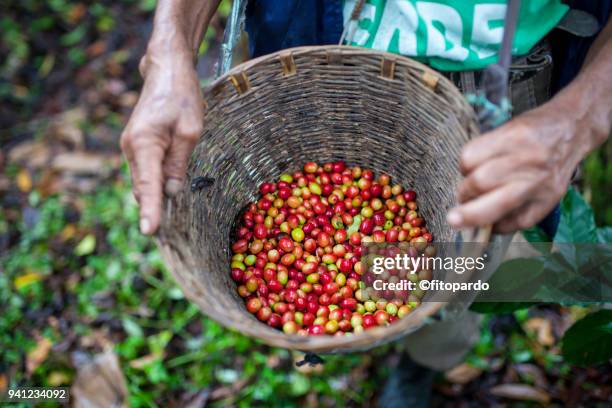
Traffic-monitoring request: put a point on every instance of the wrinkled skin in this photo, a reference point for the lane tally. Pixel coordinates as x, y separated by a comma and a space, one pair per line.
517, 173
514, 175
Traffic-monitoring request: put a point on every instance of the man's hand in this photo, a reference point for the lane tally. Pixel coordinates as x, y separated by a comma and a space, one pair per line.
517, 173
167, 120
162, 131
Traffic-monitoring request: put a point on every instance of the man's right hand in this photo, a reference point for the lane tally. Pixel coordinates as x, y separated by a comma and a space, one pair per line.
162, 131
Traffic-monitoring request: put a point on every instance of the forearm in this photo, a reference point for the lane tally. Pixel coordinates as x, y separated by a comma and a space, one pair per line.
587, 101
178, 28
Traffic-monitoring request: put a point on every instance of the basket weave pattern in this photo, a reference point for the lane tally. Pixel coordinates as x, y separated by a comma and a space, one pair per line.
270, 115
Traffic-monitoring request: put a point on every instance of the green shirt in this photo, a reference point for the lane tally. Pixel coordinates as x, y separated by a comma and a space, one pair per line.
451, 35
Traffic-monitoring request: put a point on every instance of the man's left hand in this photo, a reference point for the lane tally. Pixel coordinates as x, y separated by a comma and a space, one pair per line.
517, 173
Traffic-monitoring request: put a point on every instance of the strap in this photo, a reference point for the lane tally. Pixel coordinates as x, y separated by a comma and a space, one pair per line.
232, 33
351, 26
492, 106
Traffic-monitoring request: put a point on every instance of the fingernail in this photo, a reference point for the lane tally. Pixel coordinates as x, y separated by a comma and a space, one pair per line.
145, 226
454, 218
173, 186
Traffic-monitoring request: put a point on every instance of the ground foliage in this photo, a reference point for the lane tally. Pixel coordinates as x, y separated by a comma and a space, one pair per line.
77, 279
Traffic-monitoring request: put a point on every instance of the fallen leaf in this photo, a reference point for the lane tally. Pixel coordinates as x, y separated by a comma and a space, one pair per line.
68, 232
228, 391
99, 382
144, 361
543, 330
57, 378
26, 279
24, 181
463, 373
76, 13
195, 400
96, 49
83, 163
532, 373
86, 246
35, 153
66, 128
38, 354
97, 338
3, 383
520, 392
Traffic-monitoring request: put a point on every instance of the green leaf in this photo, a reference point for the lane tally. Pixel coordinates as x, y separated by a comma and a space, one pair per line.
577, 224
589, 340
604, 235
535, 234
132, 328
86, 246
300, 384
74, 37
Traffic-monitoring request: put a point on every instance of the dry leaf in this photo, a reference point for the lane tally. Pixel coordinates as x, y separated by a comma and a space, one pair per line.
35, 153
57, 378
144, 361
96, 49
543, 330
99, 383
68, 232
97, 338
520, 392
227, 391
38, 354
24, 181
83, 163
196, 400
3, 383
463, 373
27, 279
67, 127
533, 373
76, 13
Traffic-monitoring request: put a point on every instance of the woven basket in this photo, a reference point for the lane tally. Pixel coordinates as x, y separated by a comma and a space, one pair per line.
272, 114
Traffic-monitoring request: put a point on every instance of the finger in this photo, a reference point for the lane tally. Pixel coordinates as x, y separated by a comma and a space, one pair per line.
148, 177
522, 218
492, 174
126, 147
484, 147
175, 164
489, 207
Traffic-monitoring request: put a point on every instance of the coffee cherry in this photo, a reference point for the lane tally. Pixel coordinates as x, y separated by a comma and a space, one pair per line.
382, 317
298, 250
297, 234
253, 305
310, 167
368, 321
316, 330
